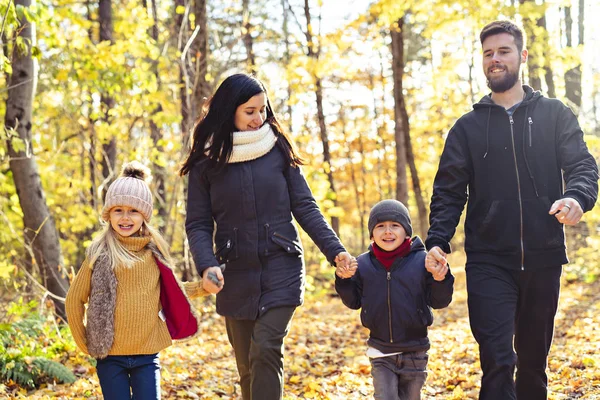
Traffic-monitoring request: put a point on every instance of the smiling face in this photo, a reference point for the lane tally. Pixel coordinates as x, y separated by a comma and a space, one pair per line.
502, 62
125, 220
252, 114
389, 235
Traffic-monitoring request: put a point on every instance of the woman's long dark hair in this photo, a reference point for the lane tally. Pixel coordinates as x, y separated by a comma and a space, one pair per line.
213, 133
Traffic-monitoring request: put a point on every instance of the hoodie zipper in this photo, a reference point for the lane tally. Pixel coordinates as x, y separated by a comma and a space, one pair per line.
512, 136
389, 278
530, 123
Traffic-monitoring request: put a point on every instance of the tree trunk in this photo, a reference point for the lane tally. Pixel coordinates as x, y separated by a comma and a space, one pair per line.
421, 207
201, 89
109, 146
286, 60
573, 76
40, 230
399, 111
313, 52
247, 37
548, 75
158, 170
357, 191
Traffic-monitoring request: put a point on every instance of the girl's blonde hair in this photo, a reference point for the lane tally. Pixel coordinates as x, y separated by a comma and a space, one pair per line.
107, 242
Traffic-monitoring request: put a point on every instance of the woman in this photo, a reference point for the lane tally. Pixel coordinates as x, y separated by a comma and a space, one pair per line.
245, 180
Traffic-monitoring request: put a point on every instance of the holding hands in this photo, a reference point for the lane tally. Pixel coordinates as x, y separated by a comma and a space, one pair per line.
345, 265
436, 264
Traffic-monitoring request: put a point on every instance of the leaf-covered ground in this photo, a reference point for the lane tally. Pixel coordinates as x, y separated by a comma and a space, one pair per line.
325, 355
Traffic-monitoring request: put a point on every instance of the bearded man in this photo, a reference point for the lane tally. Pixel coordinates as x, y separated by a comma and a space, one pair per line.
520, 163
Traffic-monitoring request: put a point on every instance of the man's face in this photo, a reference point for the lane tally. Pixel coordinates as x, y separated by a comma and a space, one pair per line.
502, 62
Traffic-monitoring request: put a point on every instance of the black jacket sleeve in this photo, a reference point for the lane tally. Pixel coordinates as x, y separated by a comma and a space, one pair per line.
350, 290
579, 167
307, 213
199, 223
439, 293
449, 192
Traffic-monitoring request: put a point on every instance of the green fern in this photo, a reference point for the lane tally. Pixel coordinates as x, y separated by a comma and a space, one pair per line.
54, 370
27, 347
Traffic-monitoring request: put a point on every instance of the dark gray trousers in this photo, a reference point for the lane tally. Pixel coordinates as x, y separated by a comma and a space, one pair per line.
513, 308
258, 348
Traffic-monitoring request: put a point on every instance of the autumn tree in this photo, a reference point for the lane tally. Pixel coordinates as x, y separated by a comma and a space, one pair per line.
41, 236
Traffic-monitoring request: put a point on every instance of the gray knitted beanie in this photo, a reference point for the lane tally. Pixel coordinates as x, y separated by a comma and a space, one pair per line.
389, 210
131, 190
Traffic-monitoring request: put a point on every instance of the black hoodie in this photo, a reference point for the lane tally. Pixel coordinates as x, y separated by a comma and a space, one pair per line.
511, 170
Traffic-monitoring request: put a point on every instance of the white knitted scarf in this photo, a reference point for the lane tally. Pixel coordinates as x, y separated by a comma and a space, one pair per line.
250, 145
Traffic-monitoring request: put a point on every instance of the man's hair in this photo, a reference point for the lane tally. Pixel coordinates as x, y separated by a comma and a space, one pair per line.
497, 27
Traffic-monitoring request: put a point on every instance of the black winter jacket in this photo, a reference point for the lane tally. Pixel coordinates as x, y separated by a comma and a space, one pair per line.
395, 305
511, 170
251, 205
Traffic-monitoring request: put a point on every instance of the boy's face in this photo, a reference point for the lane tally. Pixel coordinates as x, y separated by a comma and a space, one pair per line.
125, 220
389, 235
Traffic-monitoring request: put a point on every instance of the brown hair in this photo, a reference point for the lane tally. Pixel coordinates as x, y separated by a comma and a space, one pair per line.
497, 27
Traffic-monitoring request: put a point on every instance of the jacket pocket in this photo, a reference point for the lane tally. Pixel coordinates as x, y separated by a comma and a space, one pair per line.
541, 231
287, 244
499, 229
425, 314
227, 250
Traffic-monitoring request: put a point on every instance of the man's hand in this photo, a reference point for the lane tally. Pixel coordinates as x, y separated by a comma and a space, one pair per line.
436, 264
346, 265
567, 211
212, 280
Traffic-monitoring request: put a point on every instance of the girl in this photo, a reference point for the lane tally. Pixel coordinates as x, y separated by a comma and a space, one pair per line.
245, 176
136, 305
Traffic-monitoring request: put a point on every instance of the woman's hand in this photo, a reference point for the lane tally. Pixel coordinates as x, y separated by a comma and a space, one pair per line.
346, 265
213, 280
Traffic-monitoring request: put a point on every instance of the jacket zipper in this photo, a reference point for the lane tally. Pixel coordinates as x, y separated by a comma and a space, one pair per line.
389, 278
235, 239
512, 136
266, 239
223, 246
530, 123
284, 239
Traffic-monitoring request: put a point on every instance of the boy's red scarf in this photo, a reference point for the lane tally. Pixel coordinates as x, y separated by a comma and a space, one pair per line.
387, 258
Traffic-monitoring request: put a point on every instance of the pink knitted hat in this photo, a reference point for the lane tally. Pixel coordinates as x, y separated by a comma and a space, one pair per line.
131, 190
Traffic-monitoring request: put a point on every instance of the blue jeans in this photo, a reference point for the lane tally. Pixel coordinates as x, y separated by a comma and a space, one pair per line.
130, 377
399, 377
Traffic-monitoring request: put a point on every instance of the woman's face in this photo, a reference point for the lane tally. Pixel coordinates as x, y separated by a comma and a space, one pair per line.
252, 114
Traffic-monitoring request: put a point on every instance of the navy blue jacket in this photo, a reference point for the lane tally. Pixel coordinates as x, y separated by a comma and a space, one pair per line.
396, 305
248, 206
511, 170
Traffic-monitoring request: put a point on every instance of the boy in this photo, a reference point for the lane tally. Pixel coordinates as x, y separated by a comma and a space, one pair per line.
395, 290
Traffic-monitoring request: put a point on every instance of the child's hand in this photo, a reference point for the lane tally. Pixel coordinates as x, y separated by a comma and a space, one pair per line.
213, 280
346, 265
436, 264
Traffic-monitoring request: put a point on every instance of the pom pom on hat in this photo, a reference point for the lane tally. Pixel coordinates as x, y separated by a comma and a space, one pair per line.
130, 189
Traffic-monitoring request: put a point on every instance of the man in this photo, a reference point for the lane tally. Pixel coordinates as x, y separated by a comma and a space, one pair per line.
508, 158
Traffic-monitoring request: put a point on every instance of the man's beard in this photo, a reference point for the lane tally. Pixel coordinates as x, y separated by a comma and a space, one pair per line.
501, 85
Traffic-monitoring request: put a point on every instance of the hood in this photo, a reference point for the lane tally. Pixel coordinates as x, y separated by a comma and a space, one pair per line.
531, 96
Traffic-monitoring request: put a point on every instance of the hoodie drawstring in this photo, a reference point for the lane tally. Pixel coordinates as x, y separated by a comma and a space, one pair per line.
525, 121
487, 133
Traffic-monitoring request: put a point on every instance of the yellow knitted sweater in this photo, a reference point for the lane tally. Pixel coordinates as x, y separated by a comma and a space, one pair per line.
138, 326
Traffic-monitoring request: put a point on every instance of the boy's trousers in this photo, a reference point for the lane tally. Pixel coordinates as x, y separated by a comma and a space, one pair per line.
506, 304
258, 348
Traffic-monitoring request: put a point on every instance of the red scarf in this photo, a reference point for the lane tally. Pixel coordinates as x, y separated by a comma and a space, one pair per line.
387, 258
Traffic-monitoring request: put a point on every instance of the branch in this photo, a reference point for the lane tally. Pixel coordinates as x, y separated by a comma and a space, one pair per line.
5, 17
